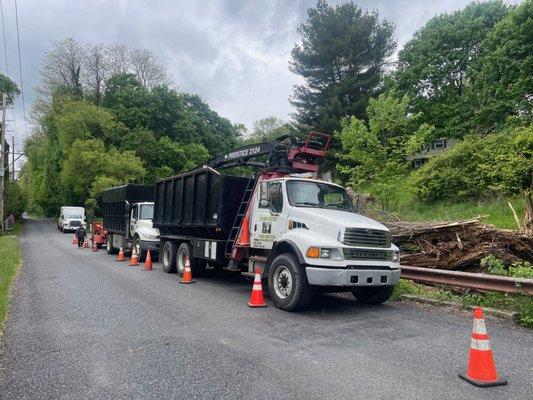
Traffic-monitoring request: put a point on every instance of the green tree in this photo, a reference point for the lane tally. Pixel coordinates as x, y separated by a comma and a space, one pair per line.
503, 78
8, 87
267, 129
433, 67
128, 100
170, 116
216, 133
88, 160
14, 200
341, 57
495, 164
83, 120
375, 152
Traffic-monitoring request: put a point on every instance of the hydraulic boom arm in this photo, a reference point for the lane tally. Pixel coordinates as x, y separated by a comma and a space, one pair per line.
285, 152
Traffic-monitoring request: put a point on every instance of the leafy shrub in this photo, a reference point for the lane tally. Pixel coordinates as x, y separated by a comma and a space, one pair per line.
517, 270
15, 200
494, 265
476, 167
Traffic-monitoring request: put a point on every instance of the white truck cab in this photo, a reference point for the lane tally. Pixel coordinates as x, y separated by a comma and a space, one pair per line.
143, 233
313, 224
71, 218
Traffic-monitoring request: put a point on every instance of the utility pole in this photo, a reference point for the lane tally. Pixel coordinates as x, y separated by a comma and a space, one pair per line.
2, 155
13, 159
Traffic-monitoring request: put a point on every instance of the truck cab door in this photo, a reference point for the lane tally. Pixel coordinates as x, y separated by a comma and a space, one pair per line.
133, 219
269, 215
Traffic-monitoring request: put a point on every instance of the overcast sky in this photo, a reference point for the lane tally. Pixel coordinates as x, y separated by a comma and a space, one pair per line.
233, 53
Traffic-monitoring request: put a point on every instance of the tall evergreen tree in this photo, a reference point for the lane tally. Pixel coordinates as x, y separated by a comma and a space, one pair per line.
341, 57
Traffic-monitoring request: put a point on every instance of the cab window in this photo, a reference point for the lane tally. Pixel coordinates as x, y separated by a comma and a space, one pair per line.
276, 196
134, 212
271, 196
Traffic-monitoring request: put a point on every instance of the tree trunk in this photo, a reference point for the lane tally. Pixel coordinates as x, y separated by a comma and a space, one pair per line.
528, 217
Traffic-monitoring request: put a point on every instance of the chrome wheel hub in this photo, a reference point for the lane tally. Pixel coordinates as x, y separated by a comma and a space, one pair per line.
283, 282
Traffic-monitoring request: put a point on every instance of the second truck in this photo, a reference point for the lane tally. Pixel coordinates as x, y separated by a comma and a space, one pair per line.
127, 224
302, 234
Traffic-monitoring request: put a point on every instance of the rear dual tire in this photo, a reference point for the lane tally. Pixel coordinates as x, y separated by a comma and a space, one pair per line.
109, 245
173, 259
198, 266
168, 257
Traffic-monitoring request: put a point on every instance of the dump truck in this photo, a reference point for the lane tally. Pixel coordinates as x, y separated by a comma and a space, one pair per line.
127, 219
301, 233
71, 218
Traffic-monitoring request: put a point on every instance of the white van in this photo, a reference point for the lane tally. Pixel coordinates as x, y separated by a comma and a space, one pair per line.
71, 218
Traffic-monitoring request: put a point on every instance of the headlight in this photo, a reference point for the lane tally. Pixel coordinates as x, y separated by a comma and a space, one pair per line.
396, 256
326, 253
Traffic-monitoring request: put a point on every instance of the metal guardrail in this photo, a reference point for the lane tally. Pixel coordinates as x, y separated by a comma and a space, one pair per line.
496, 283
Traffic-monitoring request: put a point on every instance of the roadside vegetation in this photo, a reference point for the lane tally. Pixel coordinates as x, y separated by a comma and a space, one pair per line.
404, 205
9, 263
521, 304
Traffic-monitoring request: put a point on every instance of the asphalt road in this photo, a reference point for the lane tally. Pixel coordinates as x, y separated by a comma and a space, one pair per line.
86, 327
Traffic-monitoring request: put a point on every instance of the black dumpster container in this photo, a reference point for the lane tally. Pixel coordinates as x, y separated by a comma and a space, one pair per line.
201, 203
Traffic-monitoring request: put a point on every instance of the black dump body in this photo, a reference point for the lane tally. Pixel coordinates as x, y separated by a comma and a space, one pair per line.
116, 205
200, 203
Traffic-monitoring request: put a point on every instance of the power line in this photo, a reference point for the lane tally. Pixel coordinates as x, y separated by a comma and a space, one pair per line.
4, 35
20, 71
13, 111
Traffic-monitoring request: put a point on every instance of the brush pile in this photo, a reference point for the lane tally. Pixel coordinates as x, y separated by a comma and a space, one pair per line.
459, 244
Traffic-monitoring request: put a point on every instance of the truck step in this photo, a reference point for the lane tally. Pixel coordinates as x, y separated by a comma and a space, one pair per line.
248, 274
258, 258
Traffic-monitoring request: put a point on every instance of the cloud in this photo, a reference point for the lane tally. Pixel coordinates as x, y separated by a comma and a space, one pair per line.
234, 54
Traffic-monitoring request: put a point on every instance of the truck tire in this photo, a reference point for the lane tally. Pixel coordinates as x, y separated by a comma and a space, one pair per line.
198, 266
109, 244
373, 294
287, 283
137, 244
168, 256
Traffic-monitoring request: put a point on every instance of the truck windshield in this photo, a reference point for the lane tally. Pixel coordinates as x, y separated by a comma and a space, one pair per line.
147, 211
319, 195
74, 217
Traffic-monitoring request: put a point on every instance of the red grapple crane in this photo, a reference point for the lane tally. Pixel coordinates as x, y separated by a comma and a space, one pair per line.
282, 156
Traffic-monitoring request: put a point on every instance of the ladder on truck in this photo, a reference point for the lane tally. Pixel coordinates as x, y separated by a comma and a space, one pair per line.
241, 212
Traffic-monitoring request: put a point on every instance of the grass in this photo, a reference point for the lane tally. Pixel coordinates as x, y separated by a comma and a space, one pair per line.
407, 207
522, 304
9, 262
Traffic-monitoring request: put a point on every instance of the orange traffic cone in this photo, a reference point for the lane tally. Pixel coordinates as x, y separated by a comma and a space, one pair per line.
85, 244
120, 256
134, 261
256, 298
74, 239
481, 368
148, 261
95, 246
244, 237
187, 274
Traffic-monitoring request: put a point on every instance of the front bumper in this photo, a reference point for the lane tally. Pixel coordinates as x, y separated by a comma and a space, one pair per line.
352, 276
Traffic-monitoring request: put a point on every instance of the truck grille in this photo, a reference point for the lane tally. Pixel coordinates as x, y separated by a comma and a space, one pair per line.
75, 223
359, 254
366, 237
